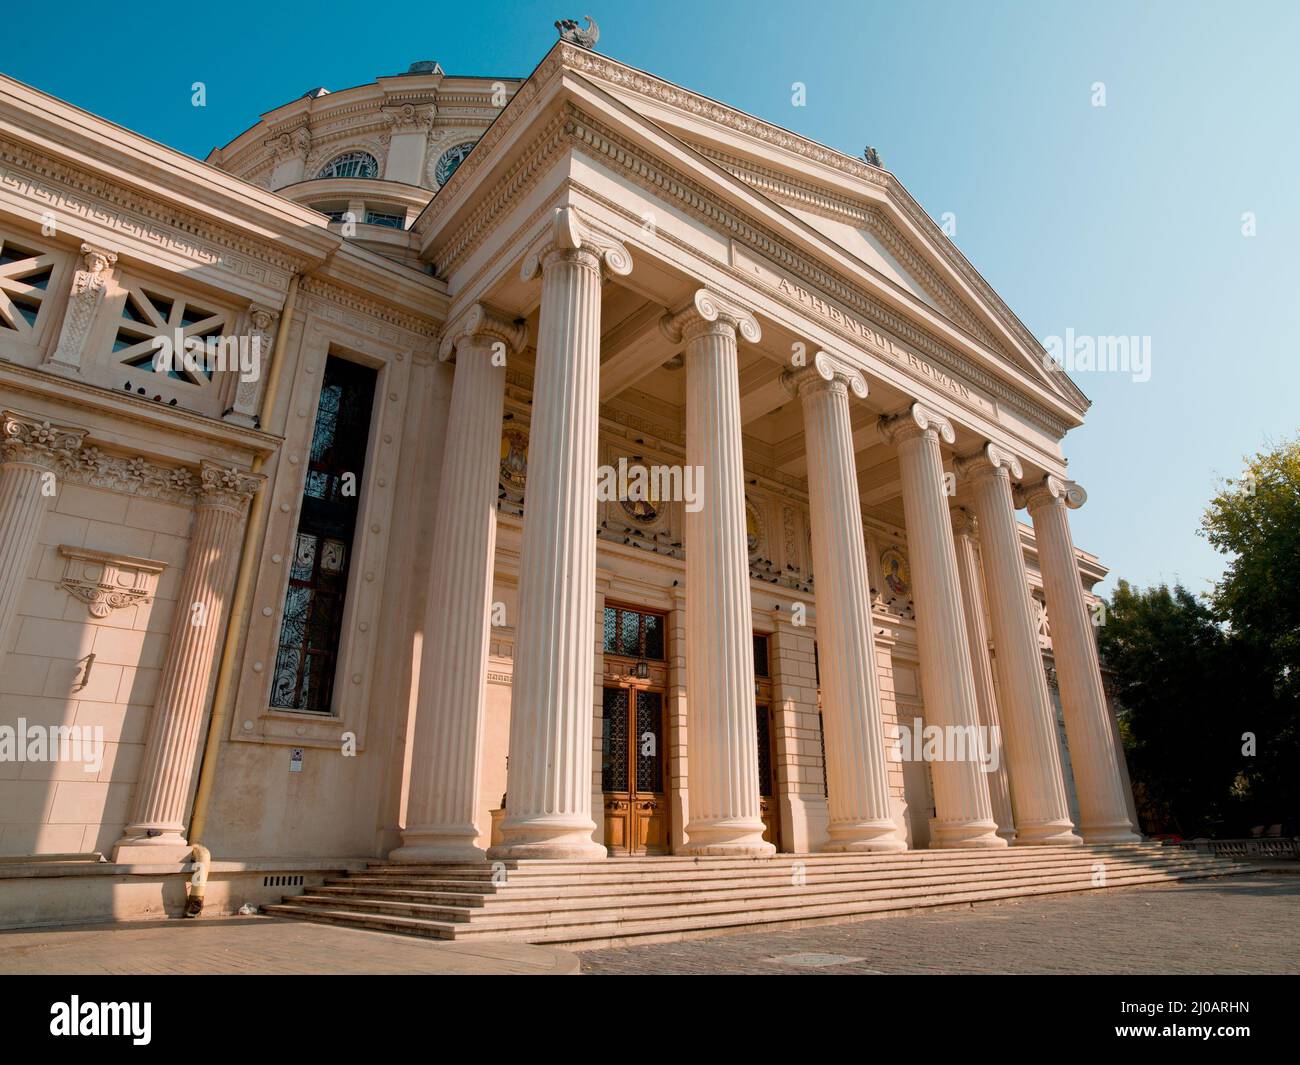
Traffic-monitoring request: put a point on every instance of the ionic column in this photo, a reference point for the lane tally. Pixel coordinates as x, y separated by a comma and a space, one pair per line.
1028, 725
156, 832
31, 454
856, 773
1103, 809
548, 803
722, 774
972, 597
961, 795
442, 801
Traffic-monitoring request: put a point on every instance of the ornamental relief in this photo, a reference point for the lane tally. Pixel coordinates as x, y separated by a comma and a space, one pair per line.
106, 582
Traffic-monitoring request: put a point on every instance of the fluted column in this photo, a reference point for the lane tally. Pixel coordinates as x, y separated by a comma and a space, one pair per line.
961, 795
156, 832
1103, 810
548, 786
722, 774
31, 454
972, 597
856, 773
442, 801
1028, 725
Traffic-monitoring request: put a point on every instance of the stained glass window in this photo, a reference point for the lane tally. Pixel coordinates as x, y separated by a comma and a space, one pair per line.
318, 574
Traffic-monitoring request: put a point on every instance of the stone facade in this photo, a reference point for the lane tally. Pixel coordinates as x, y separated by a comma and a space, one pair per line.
533, 280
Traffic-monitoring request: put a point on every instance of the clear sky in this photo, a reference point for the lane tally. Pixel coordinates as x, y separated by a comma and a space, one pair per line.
1122, 220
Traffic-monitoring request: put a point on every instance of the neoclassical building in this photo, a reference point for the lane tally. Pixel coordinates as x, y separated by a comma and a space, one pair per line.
344, 584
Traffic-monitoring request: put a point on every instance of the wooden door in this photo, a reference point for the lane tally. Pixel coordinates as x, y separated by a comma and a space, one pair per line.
633, 772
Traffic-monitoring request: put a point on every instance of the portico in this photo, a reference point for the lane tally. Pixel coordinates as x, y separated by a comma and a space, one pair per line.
827, 445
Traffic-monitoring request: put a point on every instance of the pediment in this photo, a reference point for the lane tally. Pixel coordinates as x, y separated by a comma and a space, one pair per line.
854, 228
863, 210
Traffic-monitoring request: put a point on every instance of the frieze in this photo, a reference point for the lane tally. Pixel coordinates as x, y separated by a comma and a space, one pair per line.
340, 305
861, 331
65, 189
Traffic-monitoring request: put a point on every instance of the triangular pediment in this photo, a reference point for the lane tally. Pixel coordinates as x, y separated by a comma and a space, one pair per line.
863, 210
862, 240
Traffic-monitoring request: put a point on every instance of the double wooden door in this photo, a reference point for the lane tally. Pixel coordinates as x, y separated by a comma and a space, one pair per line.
634, 766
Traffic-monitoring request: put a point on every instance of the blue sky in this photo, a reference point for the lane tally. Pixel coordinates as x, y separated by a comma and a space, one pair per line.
1122, 220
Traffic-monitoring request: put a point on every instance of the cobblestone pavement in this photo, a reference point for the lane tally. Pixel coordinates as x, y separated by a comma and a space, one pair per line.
1242, 924
261, 945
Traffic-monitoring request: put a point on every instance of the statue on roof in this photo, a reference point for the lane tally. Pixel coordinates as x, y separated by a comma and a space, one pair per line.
584, 37
872, 156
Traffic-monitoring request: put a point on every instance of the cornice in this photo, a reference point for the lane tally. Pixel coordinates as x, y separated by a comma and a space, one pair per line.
118, 404
694, 198
820, 201
56, 185
604, 68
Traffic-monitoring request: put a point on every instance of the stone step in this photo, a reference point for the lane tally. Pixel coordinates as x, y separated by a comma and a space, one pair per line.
510, 912
578, 893
679, 926
775, 871
651, 863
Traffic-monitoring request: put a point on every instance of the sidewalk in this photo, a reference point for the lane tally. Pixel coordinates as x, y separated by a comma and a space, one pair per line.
263, 946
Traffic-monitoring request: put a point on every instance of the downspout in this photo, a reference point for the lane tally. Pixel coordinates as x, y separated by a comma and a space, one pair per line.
224, 697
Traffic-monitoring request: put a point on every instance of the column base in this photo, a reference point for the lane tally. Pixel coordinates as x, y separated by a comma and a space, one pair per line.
432, 845
1119, 832
965, 834
166, 848
727, 838
547, 839
861, 836
1047, 834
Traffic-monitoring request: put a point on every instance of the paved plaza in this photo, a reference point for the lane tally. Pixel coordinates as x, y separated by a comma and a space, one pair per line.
1244, 924
1240, 924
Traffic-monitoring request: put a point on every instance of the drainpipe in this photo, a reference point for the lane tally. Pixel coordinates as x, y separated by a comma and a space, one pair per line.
224, 697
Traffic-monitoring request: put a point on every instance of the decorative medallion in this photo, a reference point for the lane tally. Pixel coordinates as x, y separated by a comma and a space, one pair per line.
898, 577
754, 535
106, 582
514, 460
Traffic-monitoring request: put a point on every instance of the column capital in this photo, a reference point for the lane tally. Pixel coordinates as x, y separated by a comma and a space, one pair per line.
571, 238
226, 486
1051, 490
915, 421
481, 321
709, 311
989, 460
826, 373
963, 523
35, 442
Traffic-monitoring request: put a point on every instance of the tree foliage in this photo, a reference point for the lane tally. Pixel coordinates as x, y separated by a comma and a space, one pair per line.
1208, 689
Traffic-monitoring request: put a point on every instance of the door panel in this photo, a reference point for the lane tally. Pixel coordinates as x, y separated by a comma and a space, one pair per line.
767, 802
633, 766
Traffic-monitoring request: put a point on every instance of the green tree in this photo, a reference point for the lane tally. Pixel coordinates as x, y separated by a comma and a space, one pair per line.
1256, 522
1178, 707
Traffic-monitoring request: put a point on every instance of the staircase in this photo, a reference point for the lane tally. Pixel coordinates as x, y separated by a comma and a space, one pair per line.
625, 900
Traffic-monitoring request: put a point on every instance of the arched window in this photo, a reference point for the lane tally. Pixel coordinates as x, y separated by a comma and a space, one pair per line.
351, 164
450, 159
